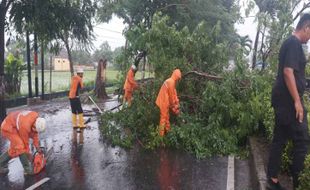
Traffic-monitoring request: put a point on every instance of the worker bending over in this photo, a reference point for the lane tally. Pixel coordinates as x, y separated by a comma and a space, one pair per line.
18, 127
167, 100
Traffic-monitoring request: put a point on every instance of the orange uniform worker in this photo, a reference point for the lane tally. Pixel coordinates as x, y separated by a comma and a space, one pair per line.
75, 103
18, 127
167, 99
130, 85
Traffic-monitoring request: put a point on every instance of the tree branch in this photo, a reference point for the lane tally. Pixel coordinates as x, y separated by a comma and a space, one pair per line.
294, 6
205, 75
9, 4
170, 5
307, 5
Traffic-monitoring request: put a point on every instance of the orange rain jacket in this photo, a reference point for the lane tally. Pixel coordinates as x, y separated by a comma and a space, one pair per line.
167, 99
130, 85
18, 127
76, 84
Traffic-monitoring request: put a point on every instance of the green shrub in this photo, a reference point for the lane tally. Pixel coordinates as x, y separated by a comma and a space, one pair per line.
304, 177
13, 67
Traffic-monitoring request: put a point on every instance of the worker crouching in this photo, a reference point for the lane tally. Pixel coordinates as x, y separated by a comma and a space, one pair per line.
167, 100
18, 127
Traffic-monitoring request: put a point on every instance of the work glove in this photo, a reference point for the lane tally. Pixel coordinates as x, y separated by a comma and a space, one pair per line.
176, 109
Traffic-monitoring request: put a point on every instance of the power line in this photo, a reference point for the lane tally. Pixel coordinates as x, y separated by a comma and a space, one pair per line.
110, 37
108, 30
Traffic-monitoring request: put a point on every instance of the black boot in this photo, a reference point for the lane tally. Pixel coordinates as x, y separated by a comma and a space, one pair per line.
4, 160
28, 167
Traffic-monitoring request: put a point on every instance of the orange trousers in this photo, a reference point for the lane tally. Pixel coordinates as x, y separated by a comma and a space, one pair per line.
164, 123
128, 97
17, 146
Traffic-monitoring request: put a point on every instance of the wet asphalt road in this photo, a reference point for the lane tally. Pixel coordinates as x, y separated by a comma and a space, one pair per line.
98, 165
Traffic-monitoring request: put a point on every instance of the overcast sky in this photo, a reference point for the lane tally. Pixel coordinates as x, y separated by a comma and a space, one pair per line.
112, 31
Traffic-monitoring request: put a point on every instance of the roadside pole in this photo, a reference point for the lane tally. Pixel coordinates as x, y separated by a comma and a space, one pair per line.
36, 80
29, 65
42, 70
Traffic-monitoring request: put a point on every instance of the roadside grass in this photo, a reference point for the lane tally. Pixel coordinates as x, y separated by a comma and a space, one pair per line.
61, 80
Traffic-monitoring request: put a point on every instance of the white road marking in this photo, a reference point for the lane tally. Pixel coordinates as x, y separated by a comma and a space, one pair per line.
231, 173
38, 183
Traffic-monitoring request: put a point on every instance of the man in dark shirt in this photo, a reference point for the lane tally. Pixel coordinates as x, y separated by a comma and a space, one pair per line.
290, 113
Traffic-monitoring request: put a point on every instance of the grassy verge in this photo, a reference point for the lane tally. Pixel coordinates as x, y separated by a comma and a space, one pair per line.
61, 80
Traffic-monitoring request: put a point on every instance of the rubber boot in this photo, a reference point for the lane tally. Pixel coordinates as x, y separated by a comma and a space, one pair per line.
4, 160
81, 121
28, 167
82, 136
74, 120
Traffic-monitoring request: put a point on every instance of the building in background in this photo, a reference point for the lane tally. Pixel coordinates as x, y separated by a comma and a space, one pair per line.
61, 64
61, 61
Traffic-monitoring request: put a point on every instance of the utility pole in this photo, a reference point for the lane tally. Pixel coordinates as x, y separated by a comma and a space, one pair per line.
42, 70
3, 10
28, 65
36, 80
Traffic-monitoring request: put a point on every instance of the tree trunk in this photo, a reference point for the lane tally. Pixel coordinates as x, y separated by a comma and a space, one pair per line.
255, 48
2, 88
69, 57
65, 39
36, 78
100, 91
143, 68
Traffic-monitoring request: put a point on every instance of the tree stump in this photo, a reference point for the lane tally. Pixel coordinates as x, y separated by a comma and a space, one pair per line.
100, 91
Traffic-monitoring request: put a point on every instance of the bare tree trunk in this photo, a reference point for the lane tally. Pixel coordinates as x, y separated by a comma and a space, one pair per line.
255, 48
143, 68
36, 79
69, 57
65, 39
100, 91
126, 59
2, 88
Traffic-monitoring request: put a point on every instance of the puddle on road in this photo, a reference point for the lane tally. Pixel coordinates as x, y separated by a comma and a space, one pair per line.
98, 165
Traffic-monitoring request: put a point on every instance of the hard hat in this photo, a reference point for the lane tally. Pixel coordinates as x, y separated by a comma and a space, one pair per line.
79, 70
40, 124
134, 67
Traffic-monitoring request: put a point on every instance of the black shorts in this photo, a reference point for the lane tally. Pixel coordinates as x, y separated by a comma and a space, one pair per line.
76, 106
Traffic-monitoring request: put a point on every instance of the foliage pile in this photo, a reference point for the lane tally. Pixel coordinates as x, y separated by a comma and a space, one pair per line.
305, 176
217, 116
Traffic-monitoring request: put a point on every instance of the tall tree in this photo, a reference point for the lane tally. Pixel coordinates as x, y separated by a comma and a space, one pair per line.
274, 22
60, 21
4, 6
138, 14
